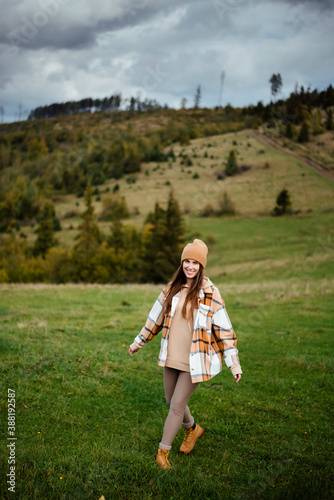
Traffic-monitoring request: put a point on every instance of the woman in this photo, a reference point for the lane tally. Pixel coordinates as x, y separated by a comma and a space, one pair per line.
197, 334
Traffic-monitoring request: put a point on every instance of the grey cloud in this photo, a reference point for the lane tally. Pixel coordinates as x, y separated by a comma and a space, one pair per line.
163, 49
34, 28
325, 5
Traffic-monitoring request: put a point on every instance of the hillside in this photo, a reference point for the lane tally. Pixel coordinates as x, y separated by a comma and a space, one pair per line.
134, 161
253, 192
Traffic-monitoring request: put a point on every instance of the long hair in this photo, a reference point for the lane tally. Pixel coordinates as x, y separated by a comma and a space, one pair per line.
175, 286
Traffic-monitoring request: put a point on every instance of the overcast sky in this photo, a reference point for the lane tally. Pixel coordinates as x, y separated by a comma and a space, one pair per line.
60, 50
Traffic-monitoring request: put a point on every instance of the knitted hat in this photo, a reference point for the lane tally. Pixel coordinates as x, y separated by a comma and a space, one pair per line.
196, 251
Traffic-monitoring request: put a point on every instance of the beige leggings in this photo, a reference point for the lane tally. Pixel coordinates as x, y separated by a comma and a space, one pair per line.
178, 389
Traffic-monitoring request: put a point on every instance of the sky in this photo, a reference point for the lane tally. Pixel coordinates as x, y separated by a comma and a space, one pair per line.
61, 50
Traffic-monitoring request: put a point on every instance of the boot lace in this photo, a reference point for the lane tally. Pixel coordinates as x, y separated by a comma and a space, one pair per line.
189, 433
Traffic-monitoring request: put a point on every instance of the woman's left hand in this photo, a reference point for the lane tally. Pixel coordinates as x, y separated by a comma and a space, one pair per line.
237, 377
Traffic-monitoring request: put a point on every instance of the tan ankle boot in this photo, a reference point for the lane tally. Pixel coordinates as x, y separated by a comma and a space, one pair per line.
190, 439
162, 459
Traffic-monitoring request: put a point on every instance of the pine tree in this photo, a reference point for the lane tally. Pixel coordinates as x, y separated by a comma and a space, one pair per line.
283, 203
232, 166
116, 238
89, 239
304, 135
45, 230
163, 238
276, 84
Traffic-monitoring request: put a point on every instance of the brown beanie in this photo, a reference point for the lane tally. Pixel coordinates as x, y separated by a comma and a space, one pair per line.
195, 251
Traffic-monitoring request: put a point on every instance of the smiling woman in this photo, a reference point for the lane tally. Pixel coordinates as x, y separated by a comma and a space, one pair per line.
196, 336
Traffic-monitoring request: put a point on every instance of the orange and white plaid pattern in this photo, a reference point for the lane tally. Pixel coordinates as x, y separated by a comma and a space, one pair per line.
213, 336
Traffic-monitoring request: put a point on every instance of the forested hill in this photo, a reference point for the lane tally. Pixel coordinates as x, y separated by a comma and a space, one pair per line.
65, 151
103, 152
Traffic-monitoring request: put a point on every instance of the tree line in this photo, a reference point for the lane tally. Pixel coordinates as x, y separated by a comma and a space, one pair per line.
124, 255
91, 105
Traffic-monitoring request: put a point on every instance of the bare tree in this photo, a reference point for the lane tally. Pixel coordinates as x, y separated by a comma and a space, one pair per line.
183, 102
198, 95
222, 78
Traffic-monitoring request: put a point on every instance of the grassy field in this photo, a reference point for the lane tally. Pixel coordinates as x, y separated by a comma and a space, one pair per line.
320, 147
89, 418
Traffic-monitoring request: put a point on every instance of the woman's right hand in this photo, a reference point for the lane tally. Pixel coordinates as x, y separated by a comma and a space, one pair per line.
133, 349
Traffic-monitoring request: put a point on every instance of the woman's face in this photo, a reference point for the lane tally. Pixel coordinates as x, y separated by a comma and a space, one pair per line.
190, 268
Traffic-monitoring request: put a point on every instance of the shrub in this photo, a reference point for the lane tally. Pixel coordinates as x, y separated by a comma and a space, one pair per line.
59, 265
184, 139
186, 208
114, 207
220, 175
210, 239
3, 276
70, 214
207, 211
186, 161
196, 175
157, 155
171, 154
244, 168
226, 206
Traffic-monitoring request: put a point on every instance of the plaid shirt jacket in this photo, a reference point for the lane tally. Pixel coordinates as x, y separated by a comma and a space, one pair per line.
213, 336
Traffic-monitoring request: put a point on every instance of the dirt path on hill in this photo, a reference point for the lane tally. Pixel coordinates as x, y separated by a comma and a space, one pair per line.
273, 143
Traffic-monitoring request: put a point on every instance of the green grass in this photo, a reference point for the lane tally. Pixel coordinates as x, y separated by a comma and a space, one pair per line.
90, 414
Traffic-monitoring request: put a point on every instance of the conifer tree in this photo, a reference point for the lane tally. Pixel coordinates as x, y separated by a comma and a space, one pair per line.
283, 203
89, 239
276, 83
116, 238
45, 230
162, 247
232, 166
304, 135
89, 236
